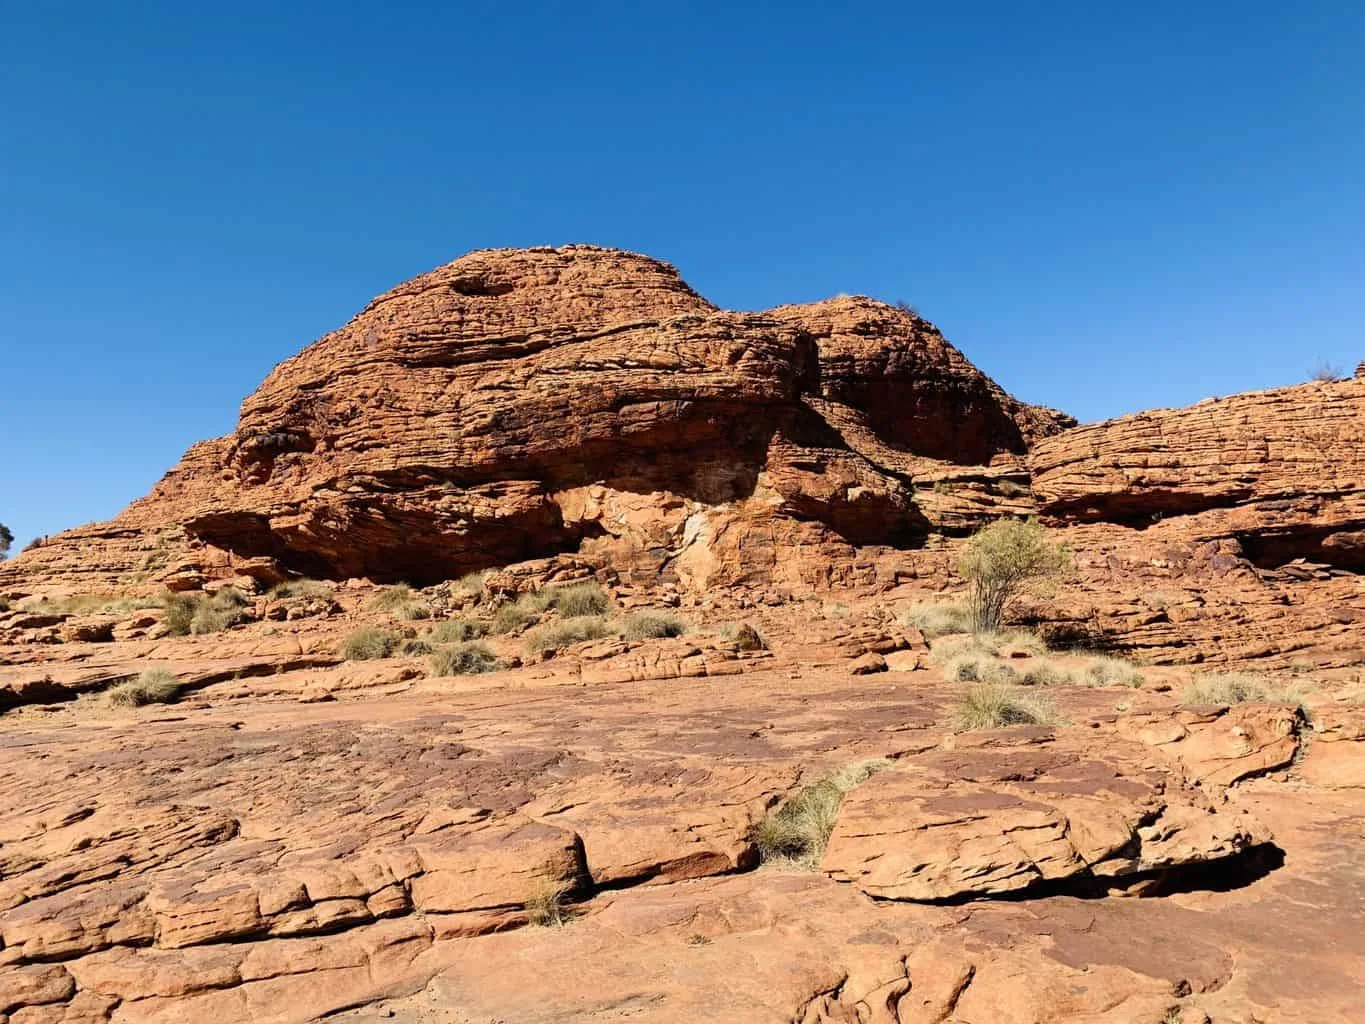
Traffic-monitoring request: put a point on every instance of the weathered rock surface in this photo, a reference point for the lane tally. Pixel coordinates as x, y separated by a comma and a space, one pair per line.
519, 402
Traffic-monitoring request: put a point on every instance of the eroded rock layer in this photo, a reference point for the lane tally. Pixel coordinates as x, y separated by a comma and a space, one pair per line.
515, 403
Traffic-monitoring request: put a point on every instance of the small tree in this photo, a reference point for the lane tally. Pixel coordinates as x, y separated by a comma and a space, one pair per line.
6, 539
1000, 559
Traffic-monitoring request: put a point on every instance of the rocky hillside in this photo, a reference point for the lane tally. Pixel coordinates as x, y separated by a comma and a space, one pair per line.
517, 403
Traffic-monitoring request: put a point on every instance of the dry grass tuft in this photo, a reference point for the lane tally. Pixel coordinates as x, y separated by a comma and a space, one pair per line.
1107, 671
1240, 688
369, 644
651, 625
154, 686
462, 660
300, 588
938, 619
545, 907
799, 830
511, 617
87, 604
567, 631
993, 706
402, 602
572, 601
457, 631
979, 668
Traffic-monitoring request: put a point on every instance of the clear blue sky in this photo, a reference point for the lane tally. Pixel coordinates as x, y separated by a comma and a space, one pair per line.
1108, 207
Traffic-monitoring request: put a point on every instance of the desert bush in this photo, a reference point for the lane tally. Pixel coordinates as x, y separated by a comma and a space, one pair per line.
799, 829
651, 625
566, 631
1045, 673
1326, 372
300, 588
6, 540
154, 686
414, 647
938, 619
203, 613
1107, 671
509, 618
992, 706
369, 644
744, 636
462, 660
470, 584
457, 631
999, 560
572, 600
402, 602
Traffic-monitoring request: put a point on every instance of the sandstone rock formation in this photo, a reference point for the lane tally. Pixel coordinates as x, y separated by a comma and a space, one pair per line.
519, 402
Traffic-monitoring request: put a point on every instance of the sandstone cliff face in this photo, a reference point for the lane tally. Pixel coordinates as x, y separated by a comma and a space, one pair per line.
1280, 473
515, 403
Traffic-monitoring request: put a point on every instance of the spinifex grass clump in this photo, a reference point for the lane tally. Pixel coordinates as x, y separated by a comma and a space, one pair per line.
938, 619
559, 634
573, 600
799, 830
994, 705
651, 625
457, 631
462, 660
402, 602
204, 613
370, 644
154, 686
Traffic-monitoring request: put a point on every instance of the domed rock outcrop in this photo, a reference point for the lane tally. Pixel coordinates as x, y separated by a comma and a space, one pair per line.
516, 403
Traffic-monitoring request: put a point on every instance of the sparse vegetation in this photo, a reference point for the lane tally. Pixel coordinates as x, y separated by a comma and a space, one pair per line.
1001, 559
88, 604
1325, 372
457, 631
414, 647
471, 585
993, 706
204, 613
799, 830
300, 588
567, 631
990, 644
369, 644
1106, 671
545, 907
511, 617
651, 625
154, 686
462, 660
979, 668
935, 619
1240, 688
402, 602
573, 600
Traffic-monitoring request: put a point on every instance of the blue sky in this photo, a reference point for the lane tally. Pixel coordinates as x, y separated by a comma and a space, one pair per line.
1107, 210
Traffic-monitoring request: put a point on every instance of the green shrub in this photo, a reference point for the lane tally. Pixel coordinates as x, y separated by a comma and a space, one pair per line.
999, 560
565, 632
651, 625
992, 706
573, 600
800, 828
935, 619
154, 686
402, 602
457, 631
462, 660
369, 644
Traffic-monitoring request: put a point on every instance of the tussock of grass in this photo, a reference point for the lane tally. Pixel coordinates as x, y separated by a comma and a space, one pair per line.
565, 632
799, 830
462, 660
203, 613
415, 648
651, 625
457, 631
369, 644
87, 604
1106, 671
154, 686
1045, 673
745, 636
511, 617
470, 584
402, 602
572, 601
993, 706
300, 588
989, 644
979, 668
1240, 688
938, 619
545, 907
